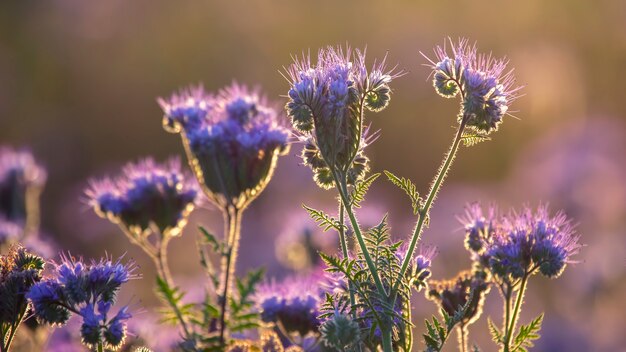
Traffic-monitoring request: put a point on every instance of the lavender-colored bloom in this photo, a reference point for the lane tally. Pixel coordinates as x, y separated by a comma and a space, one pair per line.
521, 243
485, 87
294, 303
146, 193
20, 175
232, 140
479, 227
419, 266
327, 101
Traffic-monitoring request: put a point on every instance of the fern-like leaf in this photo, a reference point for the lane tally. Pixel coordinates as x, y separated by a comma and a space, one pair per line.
360, 189
527, 334
472, 137
323, 220
409, 188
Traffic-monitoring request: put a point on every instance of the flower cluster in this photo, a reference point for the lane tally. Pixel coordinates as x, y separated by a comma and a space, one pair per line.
453, 294
486, 89
293, 303
19, 271
88, 290
146, 194
518, 244
326, 105
232, 139
418, 271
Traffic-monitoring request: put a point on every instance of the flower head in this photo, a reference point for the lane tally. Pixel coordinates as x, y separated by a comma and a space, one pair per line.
19, 271
145, 194
327, 101
21, 180
232, 140
419, 267
452, 294
485, 87
520, 243
294, 303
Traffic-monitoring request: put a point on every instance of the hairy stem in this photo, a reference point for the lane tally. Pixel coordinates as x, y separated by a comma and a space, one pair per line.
423, 213
343, 193
462, 331
344, 251
163, 270
514, 317
387, 342
233, 229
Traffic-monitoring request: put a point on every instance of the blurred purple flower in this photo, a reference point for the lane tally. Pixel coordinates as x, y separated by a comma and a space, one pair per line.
21, 180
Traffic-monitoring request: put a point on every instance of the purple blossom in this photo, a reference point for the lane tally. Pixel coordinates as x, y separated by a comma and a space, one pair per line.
294, 303
520, 243
485, 87
327, 100
146, 193
478, 226
232, 139
419, 266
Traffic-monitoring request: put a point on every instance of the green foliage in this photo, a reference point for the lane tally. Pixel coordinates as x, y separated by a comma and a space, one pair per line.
437, 332
360, 189
323, 220
409, 188
208, 239
527, 334
241, 315
496, 334
173, 296
472, 137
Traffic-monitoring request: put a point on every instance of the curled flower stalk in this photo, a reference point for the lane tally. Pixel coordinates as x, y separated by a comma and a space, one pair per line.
150, 202
485, 90
232, 140
327, 104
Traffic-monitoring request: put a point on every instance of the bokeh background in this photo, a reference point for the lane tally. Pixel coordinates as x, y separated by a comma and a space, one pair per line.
78, 82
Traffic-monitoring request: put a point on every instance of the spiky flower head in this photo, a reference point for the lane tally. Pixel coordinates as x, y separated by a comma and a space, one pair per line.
418, 271
478, 226
19, 271
340, 333
326, 105
486, 88
232, 139
521, 243
21, 181
294, 303
88, 289
451, 295
146, 194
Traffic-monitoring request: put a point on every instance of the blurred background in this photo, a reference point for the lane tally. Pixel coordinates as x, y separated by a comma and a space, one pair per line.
78, 83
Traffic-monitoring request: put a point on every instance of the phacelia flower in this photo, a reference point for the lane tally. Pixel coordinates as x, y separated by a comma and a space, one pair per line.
453, 294
520, 243
485, 87
146, 194
326, 105
19, 271
88, 290
478, 227
21, 181
232, 140
419, 267
294, 303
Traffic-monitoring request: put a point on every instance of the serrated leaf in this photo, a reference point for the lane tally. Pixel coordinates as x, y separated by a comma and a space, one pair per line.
496, 335
360, 189
473, 137
528, 333
323, 220
408, 187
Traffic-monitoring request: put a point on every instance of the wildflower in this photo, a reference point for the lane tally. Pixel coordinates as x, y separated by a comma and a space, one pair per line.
486, 89
453, 294
146, 194
21, 181
88, 290
326, 106
478, 226
340, 333
19, 271
419, 267
9, 231
293, 303
520, 243
232, 140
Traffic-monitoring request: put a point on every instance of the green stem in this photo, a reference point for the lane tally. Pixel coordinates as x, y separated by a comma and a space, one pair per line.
343, 193
518, 303
344, 250
423, 213
462, 337
100, 347
387, 343
233, 229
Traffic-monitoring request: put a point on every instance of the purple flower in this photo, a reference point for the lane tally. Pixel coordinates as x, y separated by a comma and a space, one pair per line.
327, 101
232, 140
478, 226
520, 243
19, 173
9, 231
419, 266
294, 303
485, 87
146, 193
